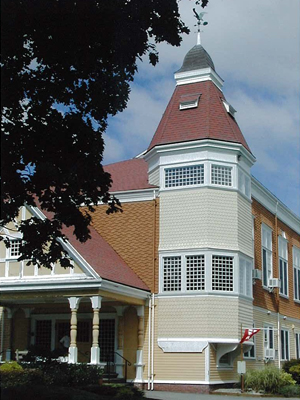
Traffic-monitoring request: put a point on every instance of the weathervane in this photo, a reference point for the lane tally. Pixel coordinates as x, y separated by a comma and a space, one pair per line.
200, 21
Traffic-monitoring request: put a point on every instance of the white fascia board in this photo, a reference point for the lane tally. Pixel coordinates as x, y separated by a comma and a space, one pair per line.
119, 288
74, 254
202, 144
274, 205
209, 340
129, 196
33, 286
199, 75
48, 284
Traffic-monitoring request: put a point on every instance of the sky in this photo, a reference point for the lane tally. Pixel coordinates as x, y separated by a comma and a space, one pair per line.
255, 47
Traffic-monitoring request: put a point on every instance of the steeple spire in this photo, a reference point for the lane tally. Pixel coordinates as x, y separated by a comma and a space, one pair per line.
199, 23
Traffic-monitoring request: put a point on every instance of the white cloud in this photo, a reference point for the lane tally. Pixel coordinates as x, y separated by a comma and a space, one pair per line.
255, 47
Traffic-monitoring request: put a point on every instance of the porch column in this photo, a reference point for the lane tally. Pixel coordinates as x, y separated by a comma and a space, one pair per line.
73, 351
119, 359
95, 350
10, 313
139, 353
27, 312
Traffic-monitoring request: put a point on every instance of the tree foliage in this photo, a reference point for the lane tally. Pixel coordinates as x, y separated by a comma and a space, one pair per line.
66, 65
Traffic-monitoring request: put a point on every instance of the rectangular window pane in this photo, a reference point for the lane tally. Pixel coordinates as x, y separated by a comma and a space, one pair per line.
107, 339
195, 273
14, 249
172, 273
43, 334
222, 273
184, 176
221, 175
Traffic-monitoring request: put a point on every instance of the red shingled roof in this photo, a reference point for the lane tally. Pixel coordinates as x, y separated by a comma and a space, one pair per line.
104, 260
129, 175
209, 120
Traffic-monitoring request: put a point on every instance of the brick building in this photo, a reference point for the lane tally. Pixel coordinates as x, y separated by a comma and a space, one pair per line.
201, 252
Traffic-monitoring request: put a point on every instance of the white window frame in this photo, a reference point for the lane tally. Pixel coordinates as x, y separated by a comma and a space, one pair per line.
269, 334
266, 246
225, 167
283, 266
9, 256
297, 344
285, 344
245, 276
296, 273
208, 257
202, 175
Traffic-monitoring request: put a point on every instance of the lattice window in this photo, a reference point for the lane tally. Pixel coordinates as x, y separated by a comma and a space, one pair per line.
222, 273
43, 333
172, 274
107, 339
184, 176
195, 273
221, 175
14, 250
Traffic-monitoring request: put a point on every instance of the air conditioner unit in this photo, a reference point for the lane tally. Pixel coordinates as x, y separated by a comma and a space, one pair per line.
270, 354
274, 283
256, 274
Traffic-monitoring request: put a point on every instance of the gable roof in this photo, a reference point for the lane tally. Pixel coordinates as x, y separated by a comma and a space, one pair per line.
129, 175
209, 120
102, 257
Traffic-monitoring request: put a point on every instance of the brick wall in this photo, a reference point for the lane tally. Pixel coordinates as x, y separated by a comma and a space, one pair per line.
262, 297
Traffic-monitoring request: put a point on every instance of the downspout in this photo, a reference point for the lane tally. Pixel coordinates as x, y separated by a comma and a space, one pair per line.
149, 343
152, 347
2, 334
277, 293
153, 291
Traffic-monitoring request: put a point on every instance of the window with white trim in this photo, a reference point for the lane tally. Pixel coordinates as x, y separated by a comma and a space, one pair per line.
297, 339
284, 339
269, 349
283, 266
195, 273
252, 352
245, 269
244, 183
184, 176
296, 265
14, 249
222, 273
172, 274
221, 175
266, 242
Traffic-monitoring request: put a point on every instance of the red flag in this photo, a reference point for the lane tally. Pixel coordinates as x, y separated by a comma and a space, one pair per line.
248, 334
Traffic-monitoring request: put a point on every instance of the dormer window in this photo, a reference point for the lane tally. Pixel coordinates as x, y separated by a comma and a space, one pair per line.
229, 108
189, 101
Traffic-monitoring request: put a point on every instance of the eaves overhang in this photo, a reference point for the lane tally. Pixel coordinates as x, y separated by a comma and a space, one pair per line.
29, 286
260, 193
201, 144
